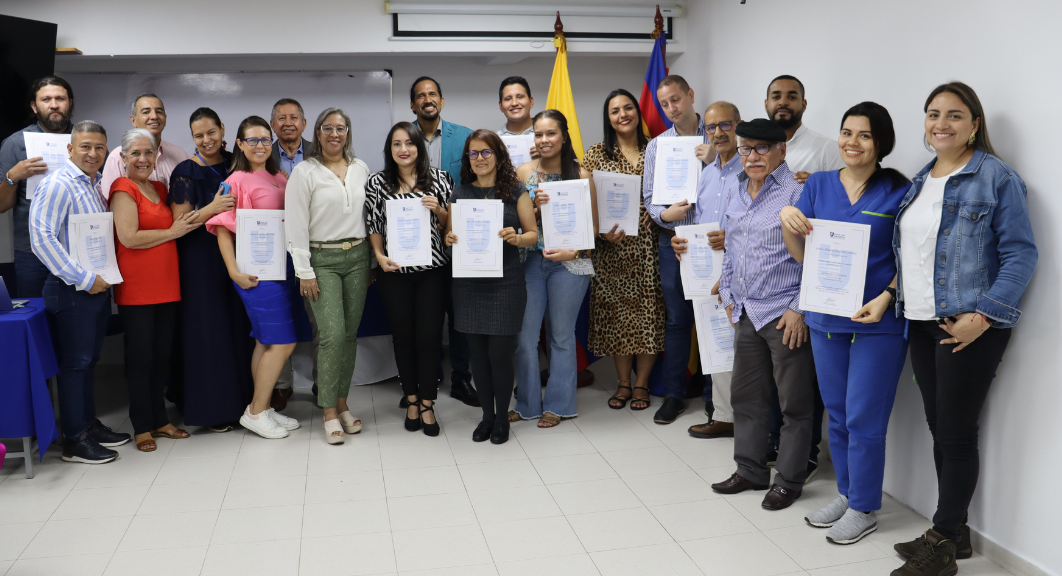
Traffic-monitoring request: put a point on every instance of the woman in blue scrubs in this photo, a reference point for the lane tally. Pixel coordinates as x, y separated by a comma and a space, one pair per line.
858, 360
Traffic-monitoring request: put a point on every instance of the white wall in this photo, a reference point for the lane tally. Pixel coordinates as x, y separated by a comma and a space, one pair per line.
894, 53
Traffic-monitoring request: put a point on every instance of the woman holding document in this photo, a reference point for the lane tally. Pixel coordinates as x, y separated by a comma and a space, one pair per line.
278, 319
626, 301
490, 310
406, 213
858, 359
557, 280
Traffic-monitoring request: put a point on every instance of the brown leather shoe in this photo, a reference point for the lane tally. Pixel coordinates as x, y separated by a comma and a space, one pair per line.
780, 498
736, 483
712, 429
278, 401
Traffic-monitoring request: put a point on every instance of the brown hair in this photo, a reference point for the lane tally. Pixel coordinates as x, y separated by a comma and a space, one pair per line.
505, 183
674, 79
970, 99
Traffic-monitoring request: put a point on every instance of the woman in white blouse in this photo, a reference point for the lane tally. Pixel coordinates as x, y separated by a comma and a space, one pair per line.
325, 227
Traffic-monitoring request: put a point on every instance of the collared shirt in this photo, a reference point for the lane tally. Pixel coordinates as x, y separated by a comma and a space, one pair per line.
435, 148
809, 151
647, 178
760, 278
713, 190
505, 131
288, 163
66, 191
169, 156
12, 152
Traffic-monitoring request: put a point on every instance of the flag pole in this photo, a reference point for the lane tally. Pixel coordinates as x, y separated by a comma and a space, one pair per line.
658, 22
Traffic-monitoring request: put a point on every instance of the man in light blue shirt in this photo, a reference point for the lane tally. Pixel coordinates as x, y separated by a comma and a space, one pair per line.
288, 121
77, 300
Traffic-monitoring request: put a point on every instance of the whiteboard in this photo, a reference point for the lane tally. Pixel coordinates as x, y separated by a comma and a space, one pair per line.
365, 96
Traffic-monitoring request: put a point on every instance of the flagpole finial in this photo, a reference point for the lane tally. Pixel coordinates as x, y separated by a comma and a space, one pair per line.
558, 26
658, 21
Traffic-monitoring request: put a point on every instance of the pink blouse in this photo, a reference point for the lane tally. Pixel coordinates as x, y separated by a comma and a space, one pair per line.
259, 190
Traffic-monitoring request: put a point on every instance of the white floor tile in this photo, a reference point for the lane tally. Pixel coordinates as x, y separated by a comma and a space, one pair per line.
423, 455
575, 468
513, 504
81, 565
868, 568
350, 456
615, 529
574, 565
101, 502
751, 554
594, 496
51, 474
476, 570
29, 507
344, 518
7, 564
624, 438
433, 511
258, 492
750, 505
422, 481
176, 530
187, 470
529, 539
164, 562
659, 560
643, 461
809, 548
269, 465
15, 537
466, 451
207, 443
555, 444
74, 537
277, 558
433, 548
491, 475
121, 472
703, 519
257, 525
706, 453
670, 488
170, 498
349, 555
345, 486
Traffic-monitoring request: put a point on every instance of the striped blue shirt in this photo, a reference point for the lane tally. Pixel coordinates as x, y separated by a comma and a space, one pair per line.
66, 191
647, 179
759, 276
713, 190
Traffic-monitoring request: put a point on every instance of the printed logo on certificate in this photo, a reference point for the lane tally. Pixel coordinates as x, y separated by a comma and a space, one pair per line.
91, 239
619, 200
261, 249
835, 267
408, 232
568, 218
478, 251
51, 148
700, 267
677, 169
519, 147
715, 335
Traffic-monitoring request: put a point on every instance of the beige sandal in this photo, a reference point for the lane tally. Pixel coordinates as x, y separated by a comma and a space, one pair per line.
351, 425
515, 416
331, 427
548, 420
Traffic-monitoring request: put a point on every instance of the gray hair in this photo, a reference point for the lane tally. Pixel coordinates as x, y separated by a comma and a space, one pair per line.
348, 148
285, 102
134, 134
87, 127
146, 95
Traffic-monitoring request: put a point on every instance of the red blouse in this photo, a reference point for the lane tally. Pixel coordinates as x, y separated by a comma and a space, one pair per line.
150, 274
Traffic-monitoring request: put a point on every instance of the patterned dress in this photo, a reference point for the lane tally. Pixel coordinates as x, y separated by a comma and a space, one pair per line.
626, 300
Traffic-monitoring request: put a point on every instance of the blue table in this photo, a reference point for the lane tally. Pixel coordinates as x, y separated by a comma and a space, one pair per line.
27, 360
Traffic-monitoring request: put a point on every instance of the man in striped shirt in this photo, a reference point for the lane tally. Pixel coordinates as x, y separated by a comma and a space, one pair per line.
77, 301
760, 286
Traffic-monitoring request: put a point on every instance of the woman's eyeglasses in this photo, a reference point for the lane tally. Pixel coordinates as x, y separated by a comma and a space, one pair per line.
475, 154
252, 142
339, 130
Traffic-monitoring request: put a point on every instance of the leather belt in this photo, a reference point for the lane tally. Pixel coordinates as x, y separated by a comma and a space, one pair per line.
665, 231
339, 245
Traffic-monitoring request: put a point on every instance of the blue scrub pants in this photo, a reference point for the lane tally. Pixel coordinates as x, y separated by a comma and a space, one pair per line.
858, 374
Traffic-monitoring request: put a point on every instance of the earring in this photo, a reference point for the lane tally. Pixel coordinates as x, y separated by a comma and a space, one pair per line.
973, 138
925, 142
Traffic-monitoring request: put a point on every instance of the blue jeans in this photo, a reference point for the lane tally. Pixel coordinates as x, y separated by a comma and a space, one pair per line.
857, 378
30, 275
549, 283
678, 324
78, 321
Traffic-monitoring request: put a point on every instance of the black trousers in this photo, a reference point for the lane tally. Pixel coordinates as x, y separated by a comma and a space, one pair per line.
149, 331
415, 303
954, 388
492, 358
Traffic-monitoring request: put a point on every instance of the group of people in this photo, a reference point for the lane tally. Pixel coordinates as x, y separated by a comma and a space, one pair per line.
951, 252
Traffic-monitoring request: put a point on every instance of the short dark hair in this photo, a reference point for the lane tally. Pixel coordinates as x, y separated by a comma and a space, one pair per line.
51, 81
285, 102
787, 77
239, 159
413, 87
146, 95
87, 127
509, 82
674, 79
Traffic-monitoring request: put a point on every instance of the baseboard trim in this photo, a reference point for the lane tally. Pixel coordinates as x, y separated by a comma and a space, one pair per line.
995, 552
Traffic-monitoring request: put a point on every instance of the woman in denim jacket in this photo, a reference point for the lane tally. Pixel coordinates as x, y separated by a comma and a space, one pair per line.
965, 253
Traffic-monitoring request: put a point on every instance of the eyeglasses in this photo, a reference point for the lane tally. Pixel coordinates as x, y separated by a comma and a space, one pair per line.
252, 142
761, 149
724, 126
339, 130
475, 154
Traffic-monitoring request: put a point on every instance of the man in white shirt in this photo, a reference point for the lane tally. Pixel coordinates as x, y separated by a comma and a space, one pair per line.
807, 152
516, 102
149, 113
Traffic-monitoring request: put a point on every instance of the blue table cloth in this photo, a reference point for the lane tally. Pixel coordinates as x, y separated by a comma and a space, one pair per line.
27, 360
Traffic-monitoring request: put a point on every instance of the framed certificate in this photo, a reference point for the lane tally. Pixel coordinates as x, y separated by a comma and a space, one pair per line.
568, 217
261, 249
835, 267
91, 240
619, 200
519, 147
715, 335
478, 251
700, 267
408, 233
676, 170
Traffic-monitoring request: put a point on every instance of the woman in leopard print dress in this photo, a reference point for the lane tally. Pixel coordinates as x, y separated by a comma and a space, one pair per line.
626, 301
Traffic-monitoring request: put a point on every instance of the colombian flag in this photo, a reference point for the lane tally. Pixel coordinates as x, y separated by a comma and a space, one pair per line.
654, 121
560, 95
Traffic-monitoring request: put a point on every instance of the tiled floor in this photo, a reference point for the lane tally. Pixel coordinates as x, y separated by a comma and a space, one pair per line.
608, 493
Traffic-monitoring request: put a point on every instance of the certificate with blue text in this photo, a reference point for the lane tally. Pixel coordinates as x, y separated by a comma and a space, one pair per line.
715, 335
677, 169
568, 217
619, 201
408, 233
519, 147
835, 267
478, 250
261, 249
700, 267
91, 240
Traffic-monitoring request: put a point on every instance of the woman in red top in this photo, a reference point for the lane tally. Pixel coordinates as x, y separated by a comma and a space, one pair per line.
147, 298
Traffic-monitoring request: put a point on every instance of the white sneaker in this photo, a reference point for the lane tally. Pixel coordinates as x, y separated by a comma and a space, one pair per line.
263, 425
282, 420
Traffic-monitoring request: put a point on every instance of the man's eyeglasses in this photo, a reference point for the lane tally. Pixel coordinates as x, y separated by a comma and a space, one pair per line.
724, 126
339, 130
761, 149
252, 142
475, 154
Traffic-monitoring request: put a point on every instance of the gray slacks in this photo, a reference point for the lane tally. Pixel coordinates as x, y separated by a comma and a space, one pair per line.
759, 355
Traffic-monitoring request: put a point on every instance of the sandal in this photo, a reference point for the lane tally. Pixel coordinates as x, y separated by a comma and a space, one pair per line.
173, 432
331, 427
645, 400
145, 443
548, 420
351, 425
622, 401
515, 416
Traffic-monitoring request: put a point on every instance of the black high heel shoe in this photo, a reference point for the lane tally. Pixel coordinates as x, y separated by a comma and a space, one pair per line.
413, 424
429, 429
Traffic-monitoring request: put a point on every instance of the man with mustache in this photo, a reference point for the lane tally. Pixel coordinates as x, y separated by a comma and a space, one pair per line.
760, 288
52, 100
446, 144
148, 112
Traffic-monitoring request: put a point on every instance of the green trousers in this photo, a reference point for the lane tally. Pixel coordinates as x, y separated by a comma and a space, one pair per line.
343, 278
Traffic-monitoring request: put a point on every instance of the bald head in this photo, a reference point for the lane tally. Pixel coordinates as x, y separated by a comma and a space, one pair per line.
726, 108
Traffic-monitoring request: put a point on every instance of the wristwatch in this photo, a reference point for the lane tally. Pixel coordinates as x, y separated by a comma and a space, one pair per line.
892, 293
8, 179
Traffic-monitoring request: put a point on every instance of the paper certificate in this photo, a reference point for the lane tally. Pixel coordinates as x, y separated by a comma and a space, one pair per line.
567, 219
677, 170
700, 266
408, 233
715, 335
519, 147
835, 267
478, 252
91, 240
619, 200
261, 249
51, 147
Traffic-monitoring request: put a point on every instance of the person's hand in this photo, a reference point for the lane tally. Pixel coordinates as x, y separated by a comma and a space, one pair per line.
801, 176
285, 173
184, 224
966, 328
509, 235
220, 203
717, 239
647, 220
540, 198
432, 204
309, 289
730, 314
704, 152
450, 239
26, 168
559, 255
534, 153
373, 273
872, 311
679, 246
676, 211
715, 289
796, 332
386, 264
245, 281
98, 285
614, 236
794, 222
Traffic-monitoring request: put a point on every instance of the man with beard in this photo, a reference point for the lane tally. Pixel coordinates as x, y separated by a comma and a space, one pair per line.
149, 113
446, 144
52, 100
